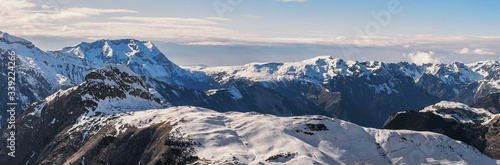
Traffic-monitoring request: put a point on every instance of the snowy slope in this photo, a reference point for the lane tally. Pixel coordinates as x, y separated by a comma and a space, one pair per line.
106, 91
143, 57
491, 83
35, 80
34, 59
31, 59
40, 74
316, 70
122, 78
452, 73
252, 138
322, 68
67, 67
474, 126
485, 68
460, 112
112, 89
449, 80
319, 70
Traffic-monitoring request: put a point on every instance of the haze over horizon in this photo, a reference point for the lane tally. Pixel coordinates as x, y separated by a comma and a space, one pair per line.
218, 33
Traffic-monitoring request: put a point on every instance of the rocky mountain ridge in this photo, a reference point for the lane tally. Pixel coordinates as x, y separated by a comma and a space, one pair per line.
106, 91
112, 118
363, 92
477, 127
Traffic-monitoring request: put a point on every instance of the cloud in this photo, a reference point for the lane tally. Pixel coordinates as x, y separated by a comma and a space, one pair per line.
72, 13
168, 20
217, 18
481, 51
9, 5
28, 19
23, 13
178, 30
252, 16
420, 58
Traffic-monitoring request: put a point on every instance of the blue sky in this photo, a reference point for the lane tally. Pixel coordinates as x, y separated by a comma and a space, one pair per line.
195, 32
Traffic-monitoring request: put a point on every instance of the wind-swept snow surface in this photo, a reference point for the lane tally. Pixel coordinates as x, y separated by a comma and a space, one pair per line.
253, 138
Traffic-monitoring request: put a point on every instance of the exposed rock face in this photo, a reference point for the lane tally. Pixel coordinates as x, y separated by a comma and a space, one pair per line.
345, 98
369, 105
490, 70
428, 121
113, 118
362, 92
149, 145
466, 96
490, 102
476, 127
142, 57
365, 93
436, 87
493, 139
203, 136
442, 80
105, 91
33, 79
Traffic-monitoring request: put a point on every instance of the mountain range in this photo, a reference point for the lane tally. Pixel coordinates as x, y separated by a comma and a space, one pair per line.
119, 97
112, 118
362, 92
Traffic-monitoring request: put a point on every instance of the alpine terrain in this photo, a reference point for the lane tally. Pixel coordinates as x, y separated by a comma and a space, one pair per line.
112, 118
124, 102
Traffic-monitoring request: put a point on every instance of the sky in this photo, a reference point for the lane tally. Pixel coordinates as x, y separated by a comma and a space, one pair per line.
236, 32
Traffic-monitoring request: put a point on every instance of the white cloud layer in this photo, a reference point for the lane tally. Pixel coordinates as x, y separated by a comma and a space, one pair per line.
27, 19
420, 58
217, 18
480, 51
252, 16
16, 13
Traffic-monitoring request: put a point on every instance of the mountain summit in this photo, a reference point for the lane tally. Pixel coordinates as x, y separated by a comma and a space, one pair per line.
143, 57
107, 91
362, 92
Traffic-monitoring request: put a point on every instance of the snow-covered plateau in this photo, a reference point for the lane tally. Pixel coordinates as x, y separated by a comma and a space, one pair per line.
253, 138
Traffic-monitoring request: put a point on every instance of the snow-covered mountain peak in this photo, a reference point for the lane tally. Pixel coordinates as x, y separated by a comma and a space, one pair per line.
116, 88
324, 60
485, 68
319, 59
112, 89
35, 76
318, 70
459, 112
451, 105
102, 52
7, 38
483, 63
142, 57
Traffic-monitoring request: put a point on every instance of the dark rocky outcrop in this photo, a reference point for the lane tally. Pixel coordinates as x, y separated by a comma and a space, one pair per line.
473, 135
435, 86
490, 102
41, 123
493, 139
484, 137
149, 145
466, 96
